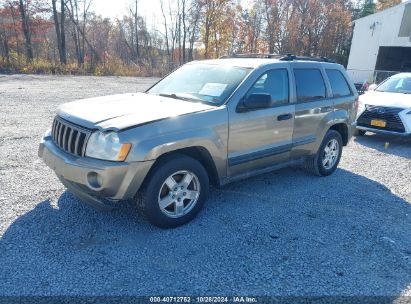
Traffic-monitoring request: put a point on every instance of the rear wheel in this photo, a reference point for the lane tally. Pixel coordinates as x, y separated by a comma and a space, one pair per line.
326, 161
175, 191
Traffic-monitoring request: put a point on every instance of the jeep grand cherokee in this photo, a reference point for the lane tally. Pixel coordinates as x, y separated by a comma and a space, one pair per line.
209, 121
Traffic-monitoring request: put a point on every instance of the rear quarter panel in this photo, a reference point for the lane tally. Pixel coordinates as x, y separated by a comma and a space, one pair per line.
345, 110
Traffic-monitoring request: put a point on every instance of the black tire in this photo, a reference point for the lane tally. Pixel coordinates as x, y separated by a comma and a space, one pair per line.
358, 132
149, 196
315, 164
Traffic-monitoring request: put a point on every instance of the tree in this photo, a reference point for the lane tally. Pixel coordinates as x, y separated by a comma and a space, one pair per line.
384, 4
68, 31
247, 32
166, 32
60, 30
5, 26
217, 21
78, 17
11, 30
135, 37
368, 8
25, 24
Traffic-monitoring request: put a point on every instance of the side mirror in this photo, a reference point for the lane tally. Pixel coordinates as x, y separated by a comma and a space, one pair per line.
255, 102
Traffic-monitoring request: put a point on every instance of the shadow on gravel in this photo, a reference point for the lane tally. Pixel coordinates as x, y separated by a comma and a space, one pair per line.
399, 146
284, 233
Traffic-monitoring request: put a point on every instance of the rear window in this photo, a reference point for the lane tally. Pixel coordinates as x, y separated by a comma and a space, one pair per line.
310, 84
338, 83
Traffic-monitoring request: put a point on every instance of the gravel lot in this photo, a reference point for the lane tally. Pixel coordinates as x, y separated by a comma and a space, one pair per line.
284, 233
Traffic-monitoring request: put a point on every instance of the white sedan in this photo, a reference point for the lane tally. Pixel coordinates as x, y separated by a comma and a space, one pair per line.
387, 108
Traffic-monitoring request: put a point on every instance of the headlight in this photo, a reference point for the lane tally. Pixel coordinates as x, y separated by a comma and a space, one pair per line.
107, 146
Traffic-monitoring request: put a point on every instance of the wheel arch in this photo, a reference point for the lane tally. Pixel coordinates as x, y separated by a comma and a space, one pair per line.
198, 153
341, 128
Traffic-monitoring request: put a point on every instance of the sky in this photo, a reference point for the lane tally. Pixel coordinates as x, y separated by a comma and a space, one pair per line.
149, 9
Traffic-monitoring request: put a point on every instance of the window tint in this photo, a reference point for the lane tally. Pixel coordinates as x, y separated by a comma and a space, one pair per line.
338, 83
275, 83
310, 84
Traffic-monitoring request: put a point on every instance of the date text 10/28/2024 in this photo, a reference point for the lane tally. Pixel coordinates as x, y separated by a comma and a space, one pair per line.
209, 299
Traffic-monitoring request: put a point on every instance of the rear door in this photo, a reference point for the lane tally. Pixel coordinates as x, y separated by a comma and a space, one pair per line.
262, 137
313, 107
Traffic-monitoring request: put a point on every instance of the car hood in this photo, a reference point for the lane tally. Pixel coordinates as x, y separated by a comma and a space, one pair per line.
386, 99
117, 112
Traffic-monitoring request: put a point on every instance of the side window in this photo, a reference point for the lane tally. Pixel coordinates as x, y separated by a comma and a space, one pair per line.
310, 84
338, 83
275, 83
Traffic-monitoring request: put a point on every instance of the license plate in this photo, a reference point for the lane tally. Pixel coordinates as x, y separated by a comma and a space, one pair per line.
378, 123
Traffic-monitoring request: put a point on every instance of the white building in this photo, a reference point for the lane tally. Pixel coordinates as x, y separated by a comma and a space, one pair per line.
381, 44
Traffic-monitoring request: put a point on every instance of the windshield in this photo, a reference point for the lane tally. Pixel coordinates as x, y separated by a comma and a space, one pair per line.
396, 85
211, 84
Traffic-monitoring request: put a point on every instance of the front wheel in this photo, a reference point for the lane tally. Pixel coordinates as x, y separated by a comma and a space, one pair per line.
326, 161
175, 191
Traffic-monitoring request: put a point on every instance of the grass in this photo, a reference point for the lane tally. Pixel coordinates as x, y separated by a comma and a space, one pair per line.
113, 67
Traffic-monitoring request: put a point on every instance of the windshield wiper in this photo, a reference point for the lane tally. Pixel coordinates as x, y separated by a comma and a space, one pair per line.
175, 96
180, 97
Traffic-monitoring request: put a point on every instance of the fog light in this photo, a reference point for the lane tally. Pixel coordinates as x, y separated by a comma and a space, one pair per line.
95, 180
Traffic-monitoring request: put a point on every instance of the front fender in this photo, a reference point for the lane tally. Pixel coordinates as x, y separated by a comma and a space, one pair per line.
208, 130
206, 139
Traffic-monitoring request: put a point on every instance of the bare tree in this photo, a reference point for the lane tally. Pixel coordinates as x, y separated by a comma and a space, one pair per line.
169, 58
190, 29
25, 23
135, 38
73, 13
78, 17
60, 30
194, 13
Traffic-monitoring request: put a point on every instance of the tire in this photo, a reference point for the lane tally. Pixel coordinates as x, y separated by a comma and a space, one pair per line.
358, 132
167, 184
316, 165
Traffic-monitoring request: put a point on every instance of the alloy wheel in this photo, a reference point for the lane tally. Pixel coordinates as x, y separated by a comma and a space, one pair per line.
179, 194
330, 155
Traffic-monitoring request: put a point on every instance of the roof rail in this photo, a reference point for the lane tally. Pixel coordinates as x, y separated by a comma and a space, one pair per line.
290, 57
252, 55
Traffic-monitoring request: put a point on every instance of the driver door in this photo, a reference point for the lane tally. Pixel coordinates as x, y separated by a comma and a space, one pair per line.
259, 138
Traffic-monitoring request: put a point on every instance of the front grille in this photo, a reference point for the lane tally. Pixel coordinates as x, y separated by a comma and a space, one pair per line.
69, 137
389, 114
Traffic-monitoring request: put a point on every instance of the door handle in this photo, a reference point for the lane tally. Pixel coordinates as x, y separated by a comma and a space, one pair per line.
284, 117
